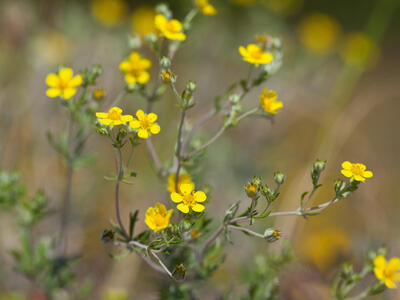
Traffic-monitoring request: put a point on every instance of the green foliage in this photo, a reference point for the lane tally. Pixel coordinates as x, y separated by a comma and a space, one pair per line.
11, 191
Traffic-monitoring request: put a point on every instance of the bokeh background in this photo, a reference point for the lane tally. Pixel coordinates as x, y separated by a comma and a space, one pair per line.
340, 86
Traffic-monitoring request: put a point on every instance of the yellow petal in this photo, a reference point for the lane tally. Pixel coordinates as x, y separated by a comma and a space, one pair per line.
143, 133
183, 208
134, 56
160, 21
140, 114
126, 118
155, 128
102, 115
243, 51
52, 80
358, 178
379, 273
394, 264
199, 196
143, 77
53, 92
390, 283
367, 174
152, 117
66, 74
135, 124
198, 207
145, 63
187, 188
130, 79
175, 25
346, 165
175, 197
68, 93
380, 262
75, 81
125, 66
150, 212
105, 121
347, 173
160, 208
175, 36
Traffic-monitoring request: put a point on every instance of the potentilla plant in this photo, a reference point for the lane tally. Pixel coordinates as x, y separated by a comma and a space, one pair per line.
182, 242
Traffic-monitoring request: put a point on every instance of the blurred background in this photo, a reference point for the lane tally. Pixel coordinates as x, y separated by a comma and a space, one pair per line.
339, 85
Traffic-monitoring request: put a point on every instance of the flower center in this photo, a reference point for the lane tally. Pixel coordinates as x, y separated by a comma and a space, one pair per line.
63, 83
388, 272
145, 123
256, 53
170, 26
159, 220
114, 115
188, 199
356, 169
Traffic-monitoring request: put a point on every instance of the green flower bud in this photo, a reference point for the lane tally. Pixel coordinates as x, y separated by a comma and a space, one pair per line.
151, 38
319, 165
165, 62
102, 131
272, 235
339, 186
279, 177
191, 86
234, 99
135, 42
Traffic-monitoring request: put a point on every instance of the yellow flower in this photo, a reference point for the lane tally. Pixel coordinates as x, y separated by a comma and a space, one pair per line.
115, 294
251, 190
144, 124
183, 178
158, 218
255, 55
359, 49
319, 32
387, 272
113, 117
206, 8
355, 171
171, 29
109, 12
135, 69
99, 94
143, 20
189, 198
268, 101
63, 84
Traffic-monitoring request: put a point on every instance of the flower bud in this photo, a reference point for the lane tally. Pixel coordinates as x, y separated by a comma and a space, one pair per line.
234, 99
135, 42
165, 62
319, 165
251, 190
191, 86
151, 38
102, 131
272, 235
339, 186
99, 94
279, 177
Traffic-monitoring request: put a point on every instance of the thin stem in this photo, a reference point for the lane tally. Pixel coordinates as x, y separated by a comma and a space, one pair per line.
244, 229
246, 114
163, 265
119, 173
205, 145
66, 211
119, 98
154, 156
179, 147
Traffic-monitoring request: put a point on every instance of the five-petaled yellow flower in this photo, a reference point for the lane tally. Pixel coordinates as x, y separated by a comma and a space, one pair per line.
389, 272
113, 117
268, 101
135, 69
144, 124
355, 171
188, 198
183, 178
158, 218
63, 84
171, 29
255, 55
206, 8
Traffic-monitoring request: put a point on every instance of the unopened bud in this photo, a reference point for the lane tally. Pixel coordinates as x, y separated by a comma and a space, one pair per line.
272, 235
165, 62
279, 177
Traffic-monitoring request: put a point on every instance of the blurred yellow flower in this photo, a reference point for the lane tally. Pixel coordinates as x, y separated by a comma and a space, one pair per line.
244, 2
268, 101
206, 8
359, 49
63, 84
319, 32
135, 69
145, 124
109, 12
183, 178
99, 94
113, 117
324, 246
389, 272
251, 190
115, 294
188, 198
255, 55
143, 20
355, 171
158, 218
53, 47
171, 29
